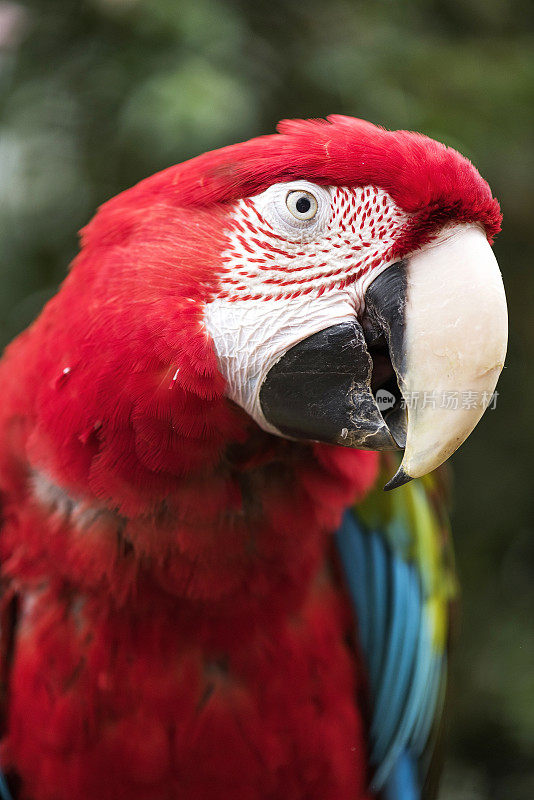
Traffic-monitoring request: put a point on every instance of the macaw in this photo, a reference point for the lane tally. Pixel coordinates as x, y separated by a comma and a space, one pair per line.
203, 594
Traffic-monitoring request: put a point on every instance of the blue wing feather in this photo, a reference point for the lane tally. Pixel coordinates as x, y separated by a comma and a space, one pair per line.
5, 794
385, 686
351, 548
398, 575
394, 683
430, 705
377, 560
402, 782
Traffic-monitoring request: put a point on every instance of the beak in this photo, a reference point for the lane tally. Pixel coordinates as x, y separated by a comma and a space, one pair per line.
415, 373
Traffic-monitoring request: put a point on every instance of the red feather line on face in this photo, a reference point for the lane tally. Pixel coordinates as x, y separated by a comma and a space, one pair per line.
362, 232
424, 177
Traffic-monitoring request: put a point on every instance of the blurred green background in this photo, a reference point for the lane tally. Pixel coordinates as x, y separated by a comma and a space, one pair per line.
96, 95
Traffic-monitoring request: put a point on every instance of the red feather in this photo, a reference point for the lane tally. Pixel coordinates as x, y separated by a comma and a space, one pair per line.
178, 634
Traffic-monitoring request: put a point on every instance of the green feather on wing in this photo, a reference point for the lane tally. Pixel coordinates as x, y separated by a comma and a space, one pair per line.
396, 552
414, 521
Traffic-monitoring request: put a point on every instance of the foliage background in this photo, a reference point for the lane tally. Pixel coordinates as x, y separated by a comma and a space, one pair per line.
96, 94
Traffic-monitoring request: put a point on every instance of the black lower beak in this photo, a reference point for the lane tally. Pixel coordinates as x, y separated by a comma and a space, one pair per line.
340, 384
321, 390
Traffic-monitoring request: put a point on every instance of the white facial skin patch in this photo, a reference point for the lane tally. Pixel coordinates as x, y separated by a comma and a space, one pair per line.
251, 335
299, 260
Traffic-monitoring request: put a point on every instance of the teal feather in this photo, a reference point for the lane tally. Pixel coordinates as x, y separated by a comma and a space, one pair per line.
398, 568
5, 794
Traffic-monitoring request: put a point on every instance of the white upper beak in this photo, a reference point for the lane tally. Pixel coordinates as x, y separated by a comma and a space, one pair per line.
455, 344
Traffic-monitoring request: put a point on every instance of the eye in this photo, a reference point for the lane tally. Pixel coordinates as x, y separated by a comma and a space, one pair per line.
302, 205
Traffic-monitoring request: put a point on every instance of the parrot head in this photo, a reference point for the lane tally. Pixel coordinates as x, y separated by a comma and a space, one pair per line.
335, 281
360, 302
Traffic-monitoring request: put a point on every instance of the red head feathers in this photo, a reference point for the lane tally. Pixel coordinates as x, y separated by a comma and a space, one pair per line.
422, 175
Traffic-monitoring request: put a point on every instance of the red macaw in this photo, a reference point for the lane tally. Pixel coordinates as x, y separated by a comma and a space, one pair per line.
182, 431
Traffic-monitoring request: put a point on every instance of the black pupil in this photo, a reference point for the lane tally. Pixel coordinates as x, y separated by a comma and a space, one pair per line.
303, 205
